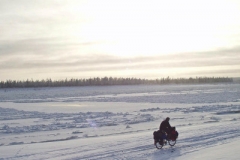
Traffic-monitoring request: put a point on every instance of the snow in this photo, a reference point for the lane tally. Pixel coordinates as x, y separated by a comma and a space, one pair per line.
221, 152
117, 122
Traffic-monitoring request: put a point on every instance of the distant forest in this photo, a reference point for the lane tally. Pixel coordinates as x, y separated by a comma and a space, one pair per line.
107, 81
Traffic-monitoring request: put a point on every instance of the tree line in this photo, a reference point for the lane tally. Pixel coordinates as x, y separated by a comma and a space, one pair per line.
106, 81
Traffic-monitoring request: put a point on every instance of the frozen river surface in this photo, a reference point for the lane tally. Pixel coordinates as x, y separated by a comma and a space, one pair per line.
116, 122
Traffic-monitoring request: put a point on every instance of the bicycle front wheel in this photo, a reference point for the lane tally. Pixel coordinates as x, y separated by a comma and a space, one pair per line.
172, 142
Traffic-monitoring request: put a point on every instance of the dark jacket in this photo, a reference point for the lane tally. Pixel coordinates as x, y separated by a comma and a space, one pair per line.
165, 126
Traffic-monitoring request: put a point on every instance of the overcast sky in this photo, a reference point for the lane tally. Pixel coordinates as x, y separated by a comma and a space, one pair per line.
61, 39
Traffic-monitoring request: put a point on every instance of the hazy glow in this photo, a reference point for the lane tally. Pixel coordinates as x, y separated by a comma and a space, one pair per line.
145, 39
159, 27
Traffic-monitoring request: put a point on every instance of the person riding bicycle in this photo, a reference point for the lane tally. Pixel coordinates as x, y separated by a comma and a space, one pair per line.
165, 127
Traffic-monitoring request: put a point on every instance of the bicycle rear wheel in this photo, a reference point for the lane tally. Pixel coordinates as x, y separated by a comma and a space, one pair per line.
158, 145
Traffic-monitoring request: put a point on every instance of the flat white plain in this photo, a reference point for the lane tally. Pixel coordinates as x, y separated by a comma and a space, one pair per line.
117, 122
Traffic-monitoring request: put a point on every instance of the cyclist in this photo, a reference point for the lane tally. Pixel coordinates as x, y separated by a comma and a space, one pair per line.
164, 128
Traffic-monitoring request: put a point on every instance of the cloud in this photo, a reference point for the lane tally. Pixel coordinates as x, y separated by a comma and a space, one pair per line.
40, 46
96, 62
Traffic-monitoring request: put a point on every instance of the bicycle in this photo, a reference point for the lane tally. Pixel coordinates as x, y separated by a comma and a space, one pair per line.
170, 139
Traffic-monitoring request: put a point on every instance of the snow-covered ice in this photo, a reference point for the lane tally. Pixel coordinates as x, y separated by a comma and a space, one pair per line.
117, 122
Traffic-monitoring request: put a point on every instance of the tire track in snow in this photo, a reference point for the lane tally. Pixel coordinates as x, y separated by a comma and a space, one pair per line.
184, 145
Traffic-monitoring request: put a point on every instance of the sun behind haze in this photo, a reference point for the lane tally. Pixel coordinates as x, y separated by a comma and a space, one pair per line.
144, 39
